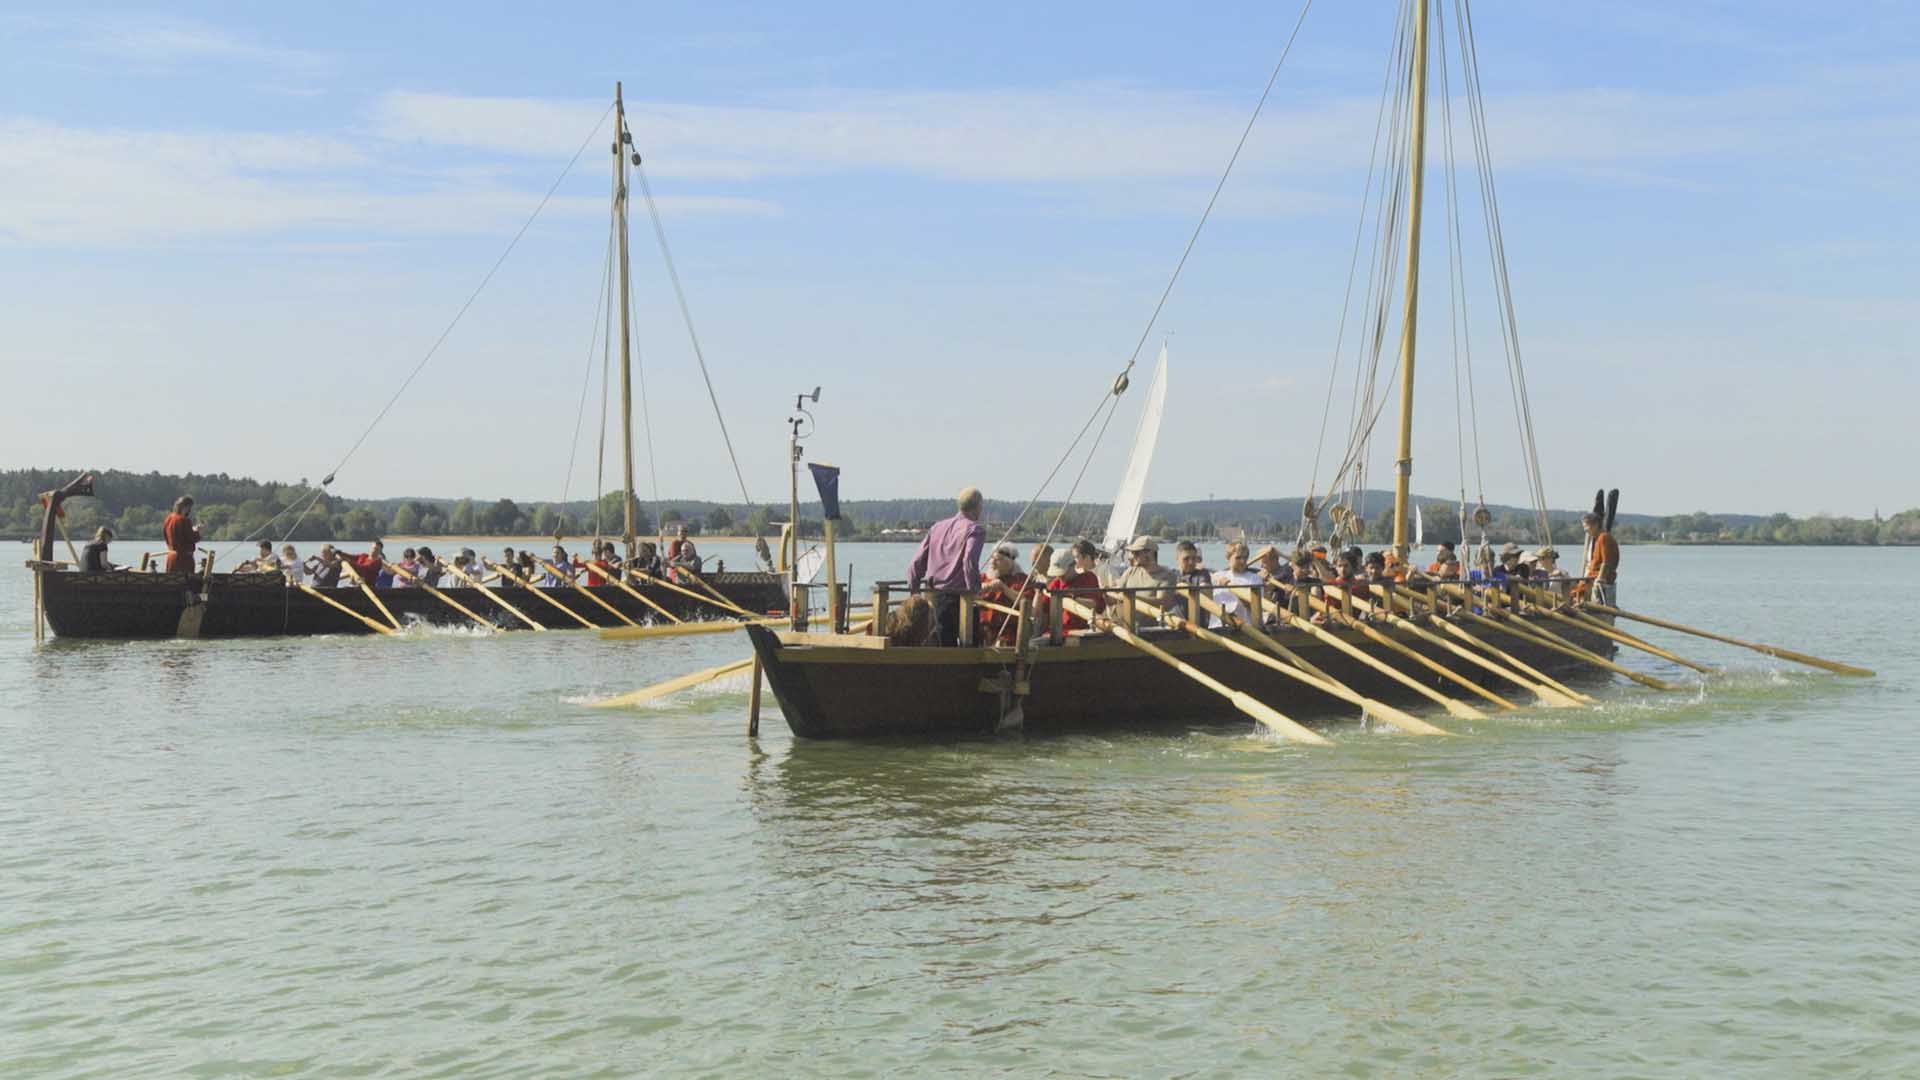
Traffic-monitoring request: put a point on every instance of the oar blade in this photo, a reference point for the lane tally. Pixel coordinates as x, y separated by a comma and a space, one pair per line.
671, 686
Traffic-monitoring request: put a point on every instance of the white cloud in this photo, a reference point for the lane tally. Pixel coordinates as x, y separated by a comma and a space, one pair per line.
158, 41
114, 188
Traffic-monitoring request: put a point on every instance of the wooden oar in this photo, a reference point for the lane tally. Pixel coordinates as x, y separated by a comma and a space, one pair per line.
450, 601
1766, 650
1515, 627
325, 599
488, 593
1412, 654
586, 592
517, 580
1549, 696
1504, 656
1574, 618
671, 686
354, 572
642, 597
1246, 703
723, 603
1460, 710
1406, 722
714, 626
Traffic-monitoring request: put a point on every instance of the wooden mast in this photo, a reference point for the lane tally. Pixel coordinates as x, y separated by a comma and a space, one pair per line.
621, 140
1403, 464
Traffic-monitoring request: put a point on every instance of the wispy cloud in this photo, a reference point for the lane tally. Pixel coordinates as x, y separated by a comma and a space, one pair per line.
156, 41
1091, 135
72, 187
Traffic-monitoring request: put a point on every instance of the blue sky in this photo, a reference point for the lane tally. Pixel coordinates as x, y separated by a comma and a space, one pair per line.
227, 232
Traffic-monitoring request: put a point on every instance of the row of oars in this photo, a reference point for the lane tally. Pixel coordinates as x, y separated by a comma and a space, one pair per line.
1474, 651
631, 628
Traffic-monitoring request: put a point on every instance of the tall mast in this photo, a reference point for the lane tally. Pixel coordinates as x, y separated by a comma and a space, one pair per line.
621, 140
1403, 465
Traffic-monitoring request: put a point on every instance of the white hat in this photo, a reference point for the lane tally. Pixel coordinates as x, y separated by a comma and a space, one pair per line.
1144, 543
1062, 564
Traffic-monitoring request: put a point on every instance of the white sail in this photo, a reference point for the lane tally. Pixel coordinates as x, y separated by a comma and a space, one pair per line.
1125, 521
1419, 528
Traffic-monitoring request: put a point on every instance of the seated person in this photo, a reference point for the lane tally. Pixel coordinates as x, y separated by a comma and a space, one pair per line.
291, 565
93, 557
646, 560
1004, 585
430, 569
1238, 572
682, 557
1078, 573
1192, 573
260, 563
911, 623
1145, 573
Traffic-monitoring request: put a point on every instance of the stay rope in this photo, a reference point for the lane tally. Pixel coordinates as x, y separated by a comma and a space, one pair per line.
686, 316
1110, 400
435, 348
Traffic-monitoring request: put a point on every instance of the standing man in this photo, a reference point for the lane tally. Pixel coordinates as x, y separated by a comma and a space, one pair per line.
1144, 572
1603, 563
181, 534
949, 562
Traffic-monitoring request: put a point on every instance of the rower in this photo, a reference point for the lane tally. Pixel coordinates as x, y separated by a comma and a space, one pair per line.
1145, 572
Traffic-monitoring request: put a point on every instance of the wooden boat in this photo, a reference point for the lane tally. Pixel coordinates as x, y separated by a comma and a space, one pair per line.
125, 604
128, 604
843, 686
836, 689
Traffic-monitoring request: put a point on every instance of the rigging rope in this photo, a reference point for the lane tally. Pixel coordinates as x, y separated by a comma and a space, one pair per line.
475, 295
666, 255
421, 366
1110, 400
586, 381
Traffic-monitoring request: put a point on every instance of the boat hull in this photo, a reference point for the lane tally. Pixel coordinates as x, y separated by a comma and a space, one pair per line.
125, 604
1096, 682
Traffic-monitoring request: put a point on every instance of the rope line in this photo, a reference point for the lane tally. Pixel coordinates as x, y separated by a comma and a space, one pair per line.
1119, 384
475, 295
666, 255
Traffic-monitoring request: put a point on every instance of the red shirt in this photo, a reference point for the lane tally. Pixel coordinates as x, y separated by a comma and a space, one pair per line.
368, 566
1005, 591
598, 571
181, 535
1084, 579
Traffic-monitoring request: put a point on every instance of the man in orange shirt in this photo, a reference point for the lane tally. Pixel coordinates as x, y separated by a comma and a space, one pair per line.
181, 534
1603, 563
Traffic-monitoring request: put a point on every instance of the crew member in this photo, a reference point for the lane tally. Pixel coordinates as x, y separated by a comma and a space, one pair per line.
948, 561
181, 534
93, 557
1603, 563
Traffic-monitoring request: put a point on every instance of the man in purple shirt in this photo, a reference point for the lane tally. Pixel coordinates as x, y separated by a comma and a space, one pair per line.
949, 562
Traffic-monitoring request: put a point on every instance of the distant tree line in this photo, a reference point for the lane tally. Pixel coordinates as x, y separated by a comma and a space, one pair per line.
235, 508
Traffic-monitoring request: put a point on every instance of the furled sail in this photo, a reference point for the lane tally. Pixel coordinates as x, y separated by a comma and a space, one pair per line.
1125, 521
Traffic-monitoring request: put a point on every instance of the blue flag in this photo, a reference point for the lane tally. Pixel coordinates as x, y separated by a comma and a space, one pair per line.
827, 479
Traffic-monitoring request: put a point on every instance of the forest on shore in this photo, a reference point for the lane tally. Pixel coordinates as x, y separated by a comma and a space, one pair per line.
237, 508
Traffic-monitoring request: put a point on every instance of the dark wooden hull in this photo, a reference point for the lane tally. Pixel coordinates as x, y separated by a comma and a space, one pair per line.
1097, 682
134, 605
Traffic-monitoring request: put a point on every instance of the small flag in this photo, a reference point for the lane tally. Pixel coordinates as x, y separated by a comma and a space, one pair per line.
827, 479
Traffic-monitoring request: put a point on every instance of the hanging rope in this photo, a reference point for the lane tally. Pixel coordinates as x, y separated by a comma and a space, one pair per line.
1110, 400
586, 382
1497, 253
475, 295
686, 316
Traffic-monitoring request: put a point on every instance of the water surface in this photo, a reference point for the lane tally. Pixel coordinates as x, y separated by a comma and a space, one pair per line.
356, 856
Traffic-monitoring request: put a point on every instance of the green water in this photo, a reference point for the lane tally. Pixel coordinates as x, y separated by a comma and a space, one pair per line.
421, 857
